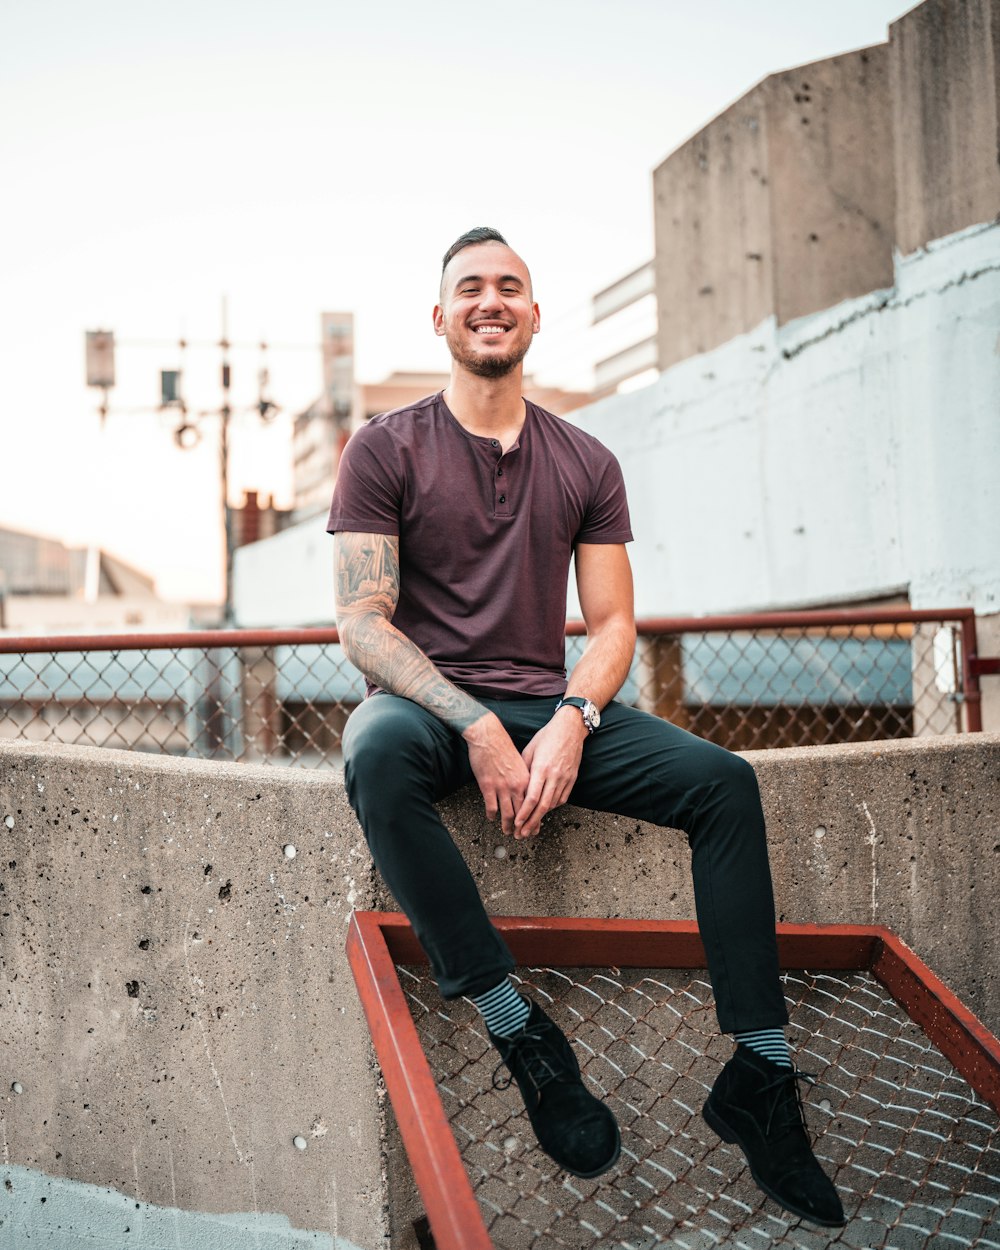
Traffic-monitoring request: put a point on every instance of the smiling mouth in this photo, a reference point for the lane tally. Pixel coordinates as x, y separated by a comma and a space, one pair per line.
490, 330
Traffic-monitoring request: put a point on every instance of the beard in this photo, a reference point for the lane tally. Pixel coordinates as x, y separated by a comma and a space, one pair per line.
488, 366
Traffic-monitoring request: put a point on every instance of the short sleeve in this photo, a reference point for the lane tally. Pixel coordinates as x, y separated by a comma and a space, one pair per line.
607, 517
368, 491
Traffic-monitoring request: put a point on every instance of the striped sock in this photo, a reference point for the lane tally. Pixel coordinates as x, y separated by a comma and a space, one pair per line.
767, 1042
503, 1009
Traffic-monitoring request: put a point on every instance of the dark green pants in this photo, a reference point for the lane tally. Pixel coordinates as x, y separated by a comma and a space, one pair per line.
399, 760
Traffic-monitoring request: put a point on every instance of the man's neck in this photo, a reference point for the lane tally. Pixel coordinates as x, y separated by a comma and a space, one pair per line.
488, 407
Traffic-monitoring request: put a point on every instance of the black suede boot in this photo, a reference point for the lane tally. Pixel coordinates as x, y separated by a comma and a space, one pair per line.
574, 1128
756, 1104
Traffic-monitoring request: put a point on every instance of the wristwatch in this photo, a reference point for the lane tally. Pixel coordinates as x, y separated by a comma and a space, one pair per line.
590, 712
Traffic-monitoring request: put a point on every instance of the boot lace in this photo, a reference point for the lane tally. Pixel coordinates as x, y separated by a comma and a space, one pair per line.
532, 1053
787, 1108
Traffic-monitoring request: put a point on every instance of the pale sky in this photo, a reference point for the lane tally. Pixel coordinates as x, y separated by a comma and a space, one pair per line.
311, 156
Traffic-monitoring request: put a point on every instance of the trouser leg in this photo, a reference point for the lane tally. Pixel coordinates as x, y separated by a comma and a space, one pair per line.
398, 761
641, 766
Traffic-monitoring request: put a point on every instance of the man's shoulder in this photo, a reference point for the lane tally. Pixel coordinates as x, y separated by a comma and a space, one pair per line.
403, 418
559, 430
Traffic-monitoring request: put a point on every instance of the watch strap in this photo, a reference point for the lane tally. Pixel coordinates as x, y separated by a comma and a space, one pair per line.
581, 704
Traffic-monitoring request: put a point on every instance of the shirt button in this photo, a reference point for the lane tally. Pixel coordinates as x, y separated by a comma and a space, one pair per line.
494, 443
499, 472
503, 498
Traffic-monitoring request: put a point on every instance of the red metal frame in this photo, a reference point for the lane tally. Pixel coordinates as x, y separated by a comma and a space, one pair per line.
843, 617
378, 941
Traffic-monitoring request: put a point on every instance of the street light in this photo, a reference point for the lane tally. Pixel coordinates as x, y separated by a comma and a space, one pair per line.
100, 360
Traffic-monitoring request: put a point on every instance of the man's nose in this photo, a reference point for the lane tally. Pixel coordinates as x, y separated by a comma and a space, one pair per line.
490, 299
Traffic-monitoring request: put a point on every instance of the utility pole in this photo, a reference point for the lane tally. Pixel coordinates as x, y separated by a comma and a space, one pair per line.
100, 361
225, 412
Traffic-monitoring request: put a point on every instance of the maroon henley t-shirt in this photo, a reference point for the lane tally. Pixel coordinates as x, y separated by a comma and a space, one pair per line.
485, 536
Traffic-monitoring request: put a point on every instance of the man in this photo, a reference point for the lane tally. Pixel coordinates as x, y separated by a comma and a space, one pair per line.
455, 521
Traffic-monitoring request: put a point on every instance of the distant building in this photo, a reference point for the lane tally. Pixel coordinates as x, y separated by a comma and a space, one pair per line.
253, 521
318, 435
47, 587
625, 311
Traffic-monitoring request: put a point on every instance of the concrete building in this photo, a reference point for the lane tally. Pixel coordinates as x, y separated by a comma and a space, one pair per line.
824, 428
318, 435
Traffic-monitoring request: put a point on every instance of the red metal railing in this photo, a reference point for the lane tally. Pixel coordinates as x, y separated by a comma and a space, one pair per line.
283, 696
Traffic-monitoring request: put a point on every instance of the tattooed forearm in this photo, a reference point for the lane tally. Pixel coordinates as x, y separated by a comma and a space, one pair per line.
367, 571
393, 662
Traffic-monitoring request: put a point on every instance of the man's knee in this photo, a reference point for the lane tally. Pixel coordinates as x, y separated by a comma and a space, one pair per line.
736, 774
384, 746
717, 781
375, 731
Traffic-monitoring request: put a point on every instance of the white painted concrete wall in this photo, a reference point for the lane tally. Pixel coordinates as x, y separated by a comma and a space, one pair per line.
77, 1216
850, 454
286, 580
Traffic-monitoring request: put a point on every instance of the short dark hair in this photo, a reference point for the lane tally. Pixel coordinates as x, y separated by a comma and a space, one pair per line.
478, 234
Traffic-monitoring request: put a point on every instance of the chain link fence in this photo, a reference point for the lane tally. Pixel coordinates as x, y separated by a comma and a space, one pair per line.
283, 696
913, 1150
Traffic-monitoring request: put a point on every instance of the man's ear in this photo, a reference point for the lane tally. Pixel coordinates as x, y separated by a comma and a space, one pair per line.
438, 319
536, 319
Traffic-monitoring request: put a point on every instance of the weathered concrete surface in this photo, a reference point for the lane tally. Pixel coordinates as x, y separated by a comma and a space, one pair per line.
945, 73
176, 1002
901, 834
793, 199
712, 223
177, 1006
57, 1214
783, 205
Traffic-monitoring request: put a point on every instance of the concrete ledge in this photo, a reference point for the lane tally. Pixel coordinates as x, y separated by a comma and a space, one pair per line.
178, 1008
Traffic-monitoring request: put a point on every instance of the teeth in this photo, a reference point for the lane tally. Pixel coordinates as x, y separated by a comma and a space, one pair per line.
489, 329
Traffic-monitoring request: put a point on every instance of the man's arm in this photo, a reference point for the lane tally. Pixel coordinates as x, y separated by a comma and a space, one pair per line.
604, 581
367, 590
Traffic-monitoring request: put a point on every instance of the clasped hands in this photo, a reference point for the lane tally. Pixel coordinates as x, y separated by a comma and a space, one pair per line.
520, 788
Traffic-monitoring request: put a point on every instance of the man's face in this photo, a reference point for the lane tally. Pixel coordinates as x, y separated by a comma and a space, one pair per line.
486, 312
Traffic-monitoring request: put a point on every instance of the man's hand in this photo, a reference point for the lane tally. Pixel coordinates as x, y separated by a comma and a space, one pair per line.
553, 756
500, 772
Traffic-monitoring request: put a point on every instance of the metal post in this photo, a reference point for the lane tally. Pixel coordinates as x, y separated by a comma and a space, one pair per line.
227, 520
973, 698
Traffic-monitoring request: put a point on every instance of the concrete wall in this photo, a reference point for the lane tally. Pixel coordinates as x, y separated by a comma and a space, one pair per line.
945, 76
795, 197
782, 205
287, 579
177, 1006
847, 455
